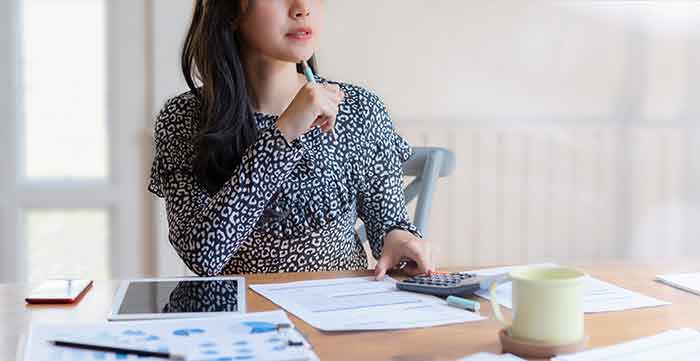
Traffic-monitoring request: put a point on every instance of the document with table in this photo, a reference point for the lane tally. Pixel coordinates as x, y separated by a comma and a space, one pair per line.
599, 296
346, 304
675, 345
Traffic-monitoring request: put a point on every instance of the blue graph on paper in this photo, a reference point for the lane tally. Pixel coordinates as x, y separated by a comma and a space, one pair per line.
205, 340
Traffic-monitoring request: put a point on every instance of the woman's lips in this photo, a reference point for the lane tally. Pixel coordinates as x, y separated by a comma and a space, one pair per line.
300, 36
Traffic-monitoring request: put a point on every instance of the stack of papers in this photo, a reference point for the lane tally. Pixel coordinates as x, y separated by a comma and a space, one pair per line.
686, 281
252, 336
675, 345
599, 296
361, 303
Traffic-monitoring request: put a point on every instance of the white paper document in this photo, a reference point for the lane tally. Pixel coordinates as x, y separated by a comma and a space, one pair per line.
347, 304
599, 296
487, 356
689, 282
675, 345
252, 336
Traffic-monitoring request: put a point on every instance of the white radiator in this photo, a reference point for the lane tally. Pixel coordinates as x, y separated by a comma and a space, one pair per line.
563, 194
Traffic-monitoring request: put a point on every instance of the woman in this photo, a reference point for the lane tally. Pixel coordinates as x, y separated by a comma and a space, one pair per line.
264, 172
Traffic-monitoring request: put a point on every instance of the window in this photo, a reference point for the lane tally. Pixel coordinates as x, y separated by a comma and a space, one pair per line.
78, 238
63, 86
71, 188
63, 128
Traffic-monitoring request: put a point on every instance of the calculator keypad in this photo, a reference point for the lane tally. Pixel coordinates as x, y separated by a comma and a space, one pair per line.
458, 283
440, 280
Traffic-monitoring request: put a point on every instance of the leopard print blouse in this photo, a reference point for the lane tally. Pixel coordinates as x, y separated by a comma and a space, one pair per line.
291, 207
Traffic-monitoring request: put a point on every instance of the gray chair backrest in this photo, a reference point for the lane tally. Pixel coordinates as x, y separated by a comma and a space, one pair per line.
425, 166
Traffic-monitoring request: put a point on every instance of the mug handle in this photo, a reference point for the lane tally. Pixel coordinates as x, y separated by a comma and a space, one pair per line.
494, 302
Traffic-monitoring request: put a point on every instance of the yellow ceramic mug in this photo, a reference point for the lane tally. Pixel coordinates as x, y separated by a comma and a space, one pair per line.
547, 305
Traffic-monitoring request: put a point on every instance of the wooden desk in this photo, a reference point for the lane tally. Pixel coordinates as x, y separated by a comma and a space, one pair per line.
436, 343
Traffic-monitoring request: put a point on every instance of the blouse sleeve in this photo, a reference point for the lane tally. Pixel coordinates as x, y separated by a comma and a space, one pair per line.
206, 230
381, 203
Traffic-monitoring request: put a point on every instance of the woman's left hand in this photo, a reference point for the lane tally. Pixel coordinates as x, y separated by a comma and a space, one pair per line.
400, 245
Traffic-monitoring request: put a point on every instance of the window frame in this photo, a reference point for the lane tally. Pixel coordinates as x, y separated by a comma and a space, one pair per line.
9, 81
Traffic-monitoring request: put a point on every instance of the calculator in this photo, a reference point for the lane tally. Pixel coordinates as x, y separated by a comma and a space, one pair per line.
447, 284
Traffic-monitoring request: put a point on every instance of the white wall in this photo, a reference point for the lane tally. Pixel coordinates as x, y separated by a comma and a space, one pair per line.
512, 61
574, 122
170, 20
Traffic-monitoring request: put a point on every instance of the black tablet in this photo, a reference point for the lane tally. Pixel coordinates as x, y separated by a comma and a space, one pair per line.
163, 298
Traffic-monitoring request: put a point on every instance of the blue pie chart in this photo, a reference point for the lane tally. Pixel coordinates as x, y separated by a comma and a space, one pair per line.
188, 332
260, 327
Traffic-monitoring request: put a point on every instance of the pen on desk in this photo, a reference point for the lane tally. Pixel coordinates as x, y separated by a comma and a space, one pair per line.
309, 74
463, 303
285, 327
120, 350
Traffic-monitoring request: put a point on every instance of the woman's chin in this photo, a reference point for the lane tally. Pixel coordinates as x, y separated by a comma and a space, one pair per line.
298, 55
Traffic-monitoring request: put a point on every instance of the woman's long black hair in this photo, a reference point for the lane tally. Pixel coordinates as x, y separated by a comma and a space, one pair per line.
211, 55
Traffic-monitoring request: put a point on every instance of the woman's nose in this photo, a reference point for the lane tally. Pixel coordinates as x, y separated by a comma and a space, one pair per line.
300, 9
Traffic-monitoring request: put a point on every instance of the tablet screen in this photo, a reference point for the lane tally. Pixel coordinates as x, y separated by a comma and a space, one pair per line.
185, 296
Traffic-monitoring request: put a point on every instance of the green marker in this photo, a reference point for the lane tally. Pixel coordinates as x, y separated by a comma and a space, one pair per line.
309, 74
463, 303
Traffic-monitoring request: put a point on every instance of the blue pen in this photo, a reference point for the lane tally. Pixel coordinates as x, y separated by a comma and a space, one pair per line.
309, 74
463, 303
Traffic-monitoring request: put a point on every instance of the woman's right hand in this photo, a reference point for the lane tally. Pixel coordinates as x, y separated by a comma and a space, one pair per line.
315, 104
